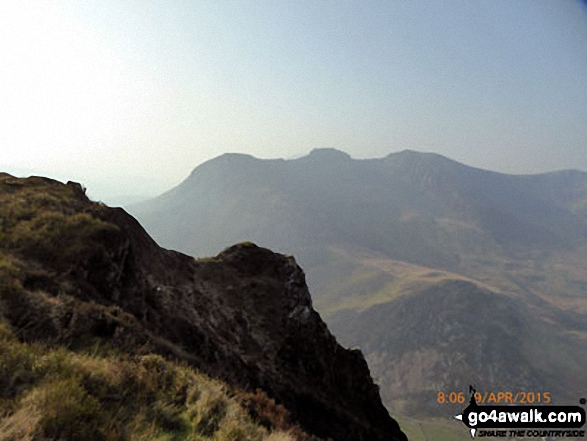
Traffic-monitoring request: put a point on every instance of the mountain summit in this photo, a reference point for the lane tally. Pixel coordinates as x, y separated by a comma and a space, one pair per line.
327, 154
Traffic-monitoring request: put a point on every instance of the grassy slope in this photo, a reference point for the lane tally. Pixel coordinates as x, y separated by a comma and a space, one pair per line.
56, 393
354, 280
350, 279
93, 389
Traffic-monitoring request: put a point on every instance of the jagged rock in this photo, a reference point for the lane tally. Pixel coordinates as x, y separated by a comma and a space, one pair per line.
244, 316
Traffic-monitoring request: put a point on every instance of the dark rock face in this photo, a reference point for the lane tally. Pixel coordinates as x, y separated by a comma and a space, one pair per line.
244, 316
299, 360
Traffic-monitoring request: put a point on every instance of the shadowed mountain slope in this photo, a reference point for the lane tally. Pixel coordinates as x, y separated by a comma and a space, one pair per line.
389, 242
453, 333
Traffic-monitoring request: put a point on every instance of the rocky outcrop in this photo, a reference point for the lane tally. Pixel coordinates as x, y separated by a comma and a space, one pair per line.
244, 316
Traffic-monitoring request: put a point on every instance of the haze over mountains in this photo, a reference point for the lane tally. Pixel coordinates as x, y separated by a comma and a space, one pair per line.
404, 193
442, 273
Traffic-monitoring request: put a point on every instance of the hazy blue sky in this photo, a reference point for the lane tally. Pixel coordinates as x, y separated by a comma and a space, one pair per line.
129, 96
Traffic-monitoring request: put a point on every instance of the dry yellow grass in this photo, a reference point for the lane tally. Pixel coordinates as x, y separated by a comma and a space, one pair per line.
55, 393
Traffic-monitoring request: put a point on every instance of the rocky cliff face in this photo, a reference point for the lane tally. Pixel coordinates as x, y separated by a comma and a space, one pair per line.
244, 316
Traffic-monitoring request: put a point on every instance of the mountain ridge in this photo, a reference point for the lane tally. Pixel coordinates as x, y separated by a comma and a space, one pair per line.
511, 209
427, 220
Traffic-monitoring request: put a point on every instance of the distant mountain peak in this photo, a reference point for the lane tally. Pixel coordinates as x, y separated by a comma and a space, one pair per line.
235, 157
328, 154
226, 160
408, 154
